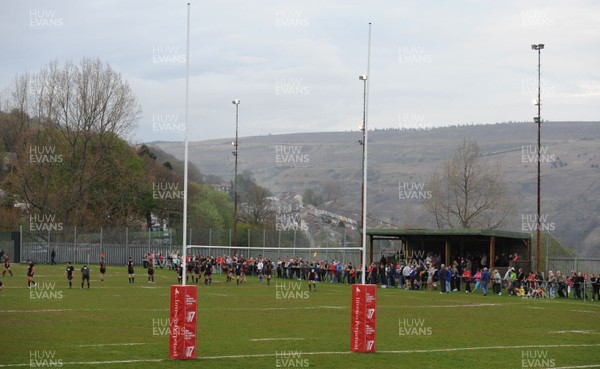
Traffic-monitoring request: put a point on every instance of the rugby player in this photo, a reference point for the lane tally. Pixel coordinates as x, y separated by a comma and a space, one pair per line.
238, 272
30, 273
196, 272
312, 274
151, 271
102, 268
208, 274
130, 270
268, 271
85, 276
69, 273
7, 266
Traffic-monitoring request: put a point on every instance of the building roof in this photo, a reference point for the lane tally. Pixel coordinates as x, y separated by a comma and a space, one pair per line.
447, 232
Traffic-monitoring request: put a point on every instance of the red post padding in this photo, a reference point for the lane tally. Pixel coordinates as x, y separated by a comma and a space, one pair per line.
364, 314
184, 306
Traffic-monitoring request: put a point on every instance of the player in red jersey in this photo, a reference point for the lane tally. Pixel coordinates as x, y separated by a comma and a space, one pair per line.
30, 274
102, 268
7, 266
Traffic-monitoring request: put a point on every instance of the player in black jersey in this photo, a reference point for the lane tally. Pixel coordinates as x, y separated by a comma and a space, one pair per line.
69, 273
190, 268
196, 271
179, 274
85, 276
30, 273
208, 274
238, 272
130, 270
102, 268
312, 274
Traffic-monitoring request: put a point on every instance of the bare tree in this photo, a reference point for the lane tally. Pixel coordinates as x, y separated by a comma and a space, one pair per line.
80, 113
331, 190
258, 207
468, 192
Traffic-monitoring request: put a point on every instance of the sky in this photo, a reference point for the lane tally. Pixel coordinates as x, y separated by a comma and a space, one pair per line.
294, 65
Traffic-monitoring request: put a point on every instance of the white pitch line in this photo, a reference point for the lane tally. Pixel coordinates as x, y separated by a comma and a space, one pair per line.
113, 344
113, 362
576, 331
38, 311
277, 339
336, 353
438, 306
277, 308
486, 348
585, 311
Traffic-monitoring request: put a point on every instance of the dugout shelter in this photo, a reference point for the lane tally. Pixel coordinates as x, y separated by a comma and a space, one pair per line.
404, 244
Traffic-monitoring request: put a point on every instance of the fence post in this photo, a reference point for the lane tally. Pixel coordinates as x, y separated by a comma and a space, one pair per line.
75, 240
547, 255
210, 237
48, 248
126, 242
101, 243
20, 245
249, 241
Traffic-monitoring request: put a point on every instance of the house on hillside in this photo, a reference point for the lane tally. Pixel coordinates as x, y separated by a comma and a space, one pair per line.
286, 203
223, 187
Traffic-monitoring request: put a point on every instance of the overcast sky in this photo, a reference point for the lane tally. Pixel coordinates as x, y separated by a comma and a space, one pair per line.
295, 64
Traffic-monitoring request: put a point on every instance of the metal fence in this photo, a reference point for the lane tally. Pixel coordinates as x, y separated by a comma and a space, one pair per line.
565, 265
281, 253
85, 245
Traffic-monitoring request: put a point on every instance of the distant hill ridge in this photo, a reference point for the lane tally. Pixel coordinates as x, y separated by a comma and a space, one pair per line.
570, 169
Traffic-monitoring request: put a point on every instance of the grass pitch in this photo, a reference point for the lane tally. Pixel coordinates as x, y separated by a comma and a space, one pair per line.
116, 325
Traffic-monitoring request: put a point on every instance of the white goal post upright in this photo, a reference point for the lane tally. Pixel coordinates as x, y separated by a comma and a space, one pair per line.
365, 161
185, 159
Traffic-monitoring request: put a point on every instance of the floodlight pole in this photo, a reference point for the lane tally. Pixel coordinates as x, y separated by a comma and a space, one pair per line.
185, 160
538, 120
235, 154
365, 80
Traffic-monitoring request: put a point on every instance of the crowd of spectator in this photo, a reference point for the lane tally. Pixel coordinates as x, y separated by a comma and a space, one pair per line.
469, 274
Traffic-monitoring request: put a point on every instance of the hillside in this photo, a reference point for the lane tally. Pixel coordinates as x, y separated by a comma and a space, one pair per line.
406, 159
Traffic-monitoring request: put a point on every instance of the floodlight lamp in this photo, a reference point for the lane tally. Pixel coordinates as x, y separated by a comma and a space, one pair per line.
236, 102
362, 77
